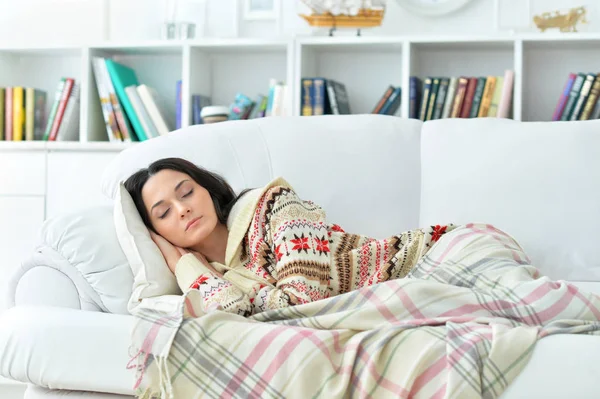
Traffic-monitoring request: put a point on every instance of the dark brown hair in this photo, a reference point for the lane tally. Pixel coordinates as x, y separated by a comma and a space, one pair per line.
220, 191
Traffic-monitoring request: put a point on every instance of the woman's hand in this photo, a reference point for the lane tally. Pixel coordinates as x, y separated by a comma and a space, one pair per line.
173, 253
170, 252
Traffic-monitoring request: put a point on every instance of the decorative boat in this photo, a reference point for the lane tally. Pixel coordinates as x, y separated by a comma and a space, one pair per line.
335, 14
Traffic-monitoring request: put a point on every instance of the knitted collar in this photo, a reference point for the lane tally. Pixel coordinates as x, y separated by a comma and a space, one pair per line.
241, 216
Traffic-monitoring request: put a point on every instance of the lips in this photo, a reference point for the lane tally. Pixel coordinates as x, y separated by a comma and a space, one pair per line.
191, 222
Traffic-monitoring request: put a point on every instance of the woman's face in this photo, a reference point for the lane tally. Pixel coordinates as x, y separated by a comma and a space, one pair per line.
180, 209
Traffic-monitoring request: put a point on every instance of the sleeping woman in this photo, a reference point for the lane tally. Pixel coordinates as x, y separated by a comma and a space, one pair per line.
265, 248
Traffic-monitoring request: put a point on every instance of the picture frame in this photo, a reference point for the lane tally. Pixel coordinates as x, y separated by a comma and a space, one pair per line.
261, 10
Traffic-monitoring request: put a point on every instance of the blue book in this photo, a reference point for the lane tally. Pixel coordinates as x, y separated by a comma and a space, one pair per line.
393, 102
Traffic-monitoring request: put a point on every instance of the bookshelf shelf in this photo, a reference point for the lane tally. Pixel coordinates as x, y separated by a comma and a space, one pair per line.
367, 65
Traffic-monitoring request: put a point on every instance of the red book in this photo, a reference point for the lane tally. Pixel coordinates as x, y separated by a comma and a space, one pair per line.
8, 114
562, 101
61, 108
470, 94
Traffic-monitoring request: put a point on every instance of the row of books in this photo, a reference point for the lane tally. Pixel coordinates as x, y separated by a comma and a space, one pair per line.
461, 97
23, 113
322, 96
579, 98
132, 111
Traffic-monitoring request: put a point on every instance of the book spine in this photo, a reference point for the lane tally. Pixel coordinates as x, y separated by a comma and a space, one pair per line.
507, 90
481, 82
432, 97
112, 129
382, 100
307, 97
68, 130
66, 93
319, 107
441, 98
425, 98
486, 100
591, 100
29, 113
18, 114
573, 95
39, 114
270, 98
333, 105
469, 97
393, 103
8, 114
459, 99
562, 101
178, 105
583, 96
2, 108
413, 107
449, 98
126, 132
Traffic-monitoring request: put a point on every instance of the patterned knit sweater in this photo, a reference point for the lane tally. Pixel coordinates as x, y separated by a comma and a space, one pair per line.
281, 251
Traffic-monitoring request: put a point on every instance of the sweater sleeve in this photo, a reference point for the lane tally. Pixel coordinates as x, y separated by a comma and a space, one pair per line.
192, 274
298, 236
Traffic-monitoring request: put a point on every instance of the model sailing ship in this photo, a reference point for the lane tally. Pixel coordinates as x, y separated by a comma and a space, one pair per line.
335, 14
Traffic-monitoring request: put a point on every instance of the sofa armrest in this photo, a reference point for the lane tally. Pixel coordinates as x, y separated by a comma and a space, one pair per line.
78, 263
70, 349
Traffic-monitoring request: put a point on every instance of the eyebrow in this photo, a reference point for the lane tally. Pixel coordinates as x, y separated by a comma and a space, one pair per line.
176, 188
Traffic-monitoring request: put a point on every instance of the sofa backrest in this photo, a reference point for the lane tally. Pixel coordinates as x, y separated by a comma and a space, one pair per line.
362, 169
538, 181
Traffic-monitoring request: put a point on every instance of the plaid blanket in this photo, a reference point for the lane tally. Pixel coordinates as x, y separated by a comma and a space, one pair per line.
463, 324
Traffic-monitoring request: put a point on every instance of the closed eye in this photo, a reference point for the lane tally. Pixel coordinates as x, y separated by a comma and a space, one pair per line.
164, 214
188, 194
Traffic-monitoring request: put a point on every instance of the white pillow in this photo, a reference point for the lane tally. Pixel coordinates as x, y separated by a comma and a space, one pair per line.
151, 275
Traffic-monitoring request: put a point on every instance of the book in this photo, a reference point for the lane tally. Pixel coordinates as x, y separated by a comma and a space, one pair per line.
450, 97
338, 98
35, 106
393, 102
592, 100
141, 112
459, 98
583, 96
69, 126
272, 84
122, 77
2, 108
441, 98
425, 98
562, 101
435, 85
279, 98
477, 97
62, 105
388, 92
465, 111
155, 107
414, 95
505, 104
320, 97
178, 109
493, 112
18, 113
112, 128
573, 95
307, 97
8, 114
486, 99
239, 106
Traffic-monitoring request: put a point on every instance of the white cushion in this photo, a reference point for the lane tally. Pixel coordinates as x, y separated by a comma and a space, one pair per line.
364, 170
35, 392
77, 263
62, 348
538, 181
151, 275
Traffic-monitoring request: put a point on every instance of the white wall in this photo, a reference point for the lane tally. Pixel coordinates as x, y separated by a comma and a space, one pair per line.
84, 21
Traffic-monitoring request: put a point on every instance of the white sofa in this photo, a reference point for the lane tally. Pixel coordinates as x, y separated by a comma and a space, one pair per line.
68, 330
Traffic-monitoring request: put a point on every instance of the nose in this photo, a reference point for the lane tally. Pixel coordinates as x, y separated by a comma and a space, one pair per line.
183, 210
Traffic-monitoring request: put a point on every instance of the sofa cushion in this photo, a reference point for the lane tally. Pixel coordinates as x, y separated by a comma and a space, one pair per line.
538, 181
151, 275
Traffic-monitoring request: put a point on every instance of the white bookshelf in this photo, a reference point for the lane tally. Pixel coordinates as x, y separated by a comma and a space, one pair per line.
220, 68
